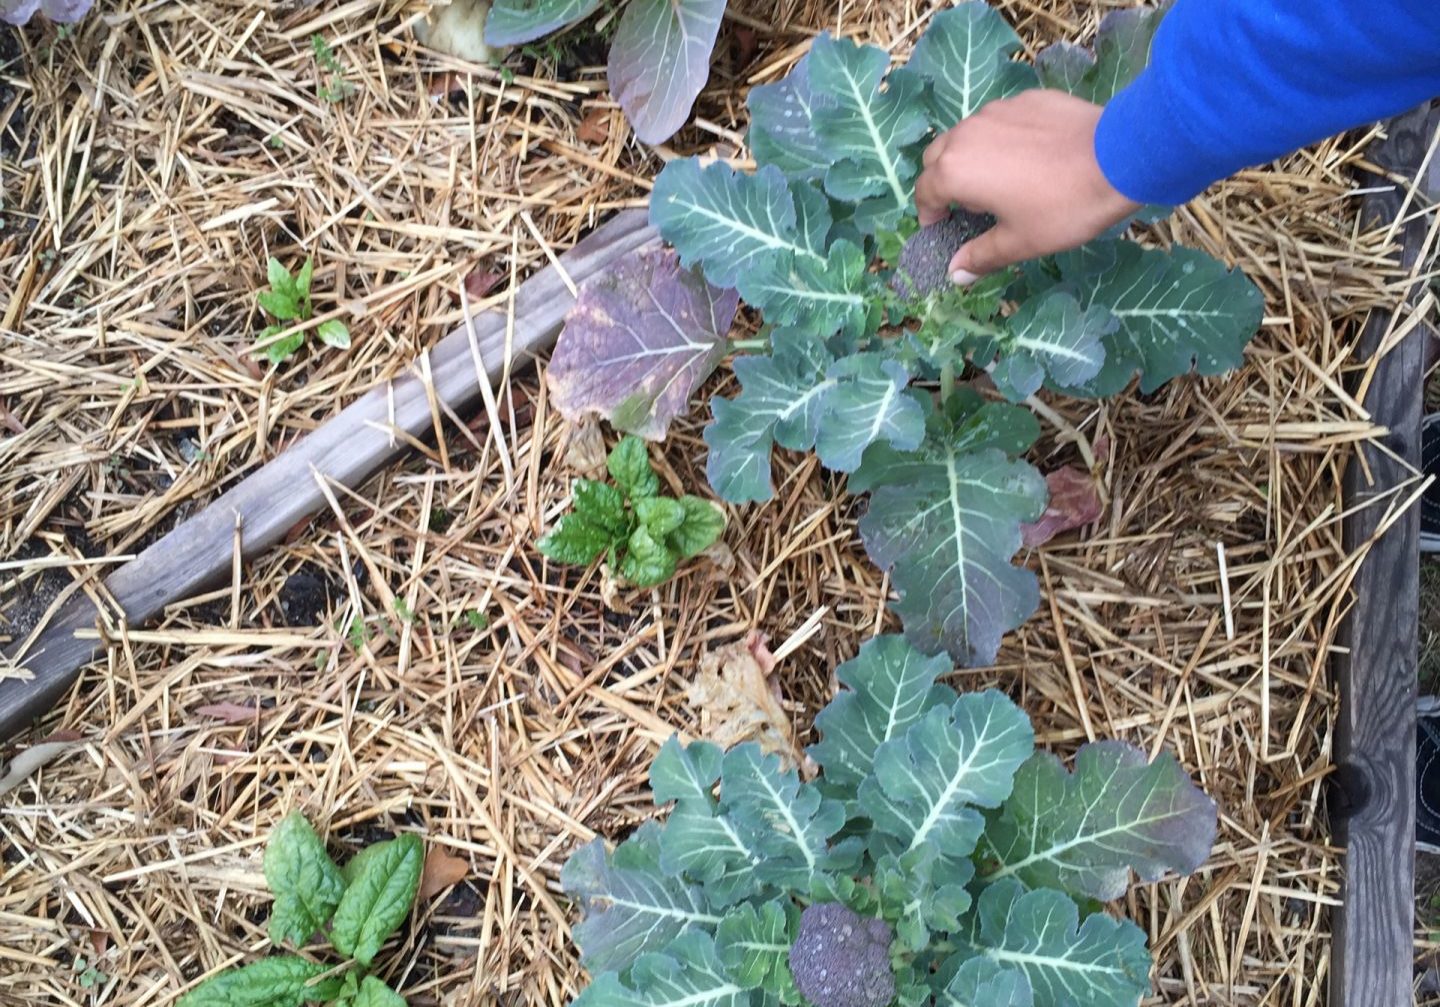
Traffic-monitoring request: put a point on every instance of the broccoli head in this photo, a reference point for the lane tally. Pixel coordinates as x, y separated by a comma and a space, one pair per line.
842, 959
924, 266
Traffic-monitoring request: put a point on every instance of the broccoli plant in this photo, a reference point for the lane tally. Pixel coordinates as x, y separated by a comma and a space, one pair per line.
916, 389
19, 12
939, 858
659, 55
643, 534
361, 905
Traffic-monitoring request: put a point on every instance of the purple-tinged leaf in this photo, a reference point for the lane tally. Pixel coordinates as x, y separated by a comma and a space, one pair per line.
17, 12
659, 61
1074, 503
1122, 48
639, 342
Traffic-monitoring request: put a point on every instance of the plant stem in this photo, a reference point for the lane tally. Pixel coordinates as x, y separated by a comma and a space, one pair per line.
749, 344
1067, 430
947, 380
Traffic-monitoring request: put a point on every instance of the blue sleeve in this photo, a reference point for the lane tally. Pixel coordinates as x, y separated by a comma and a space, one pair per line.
1235, 83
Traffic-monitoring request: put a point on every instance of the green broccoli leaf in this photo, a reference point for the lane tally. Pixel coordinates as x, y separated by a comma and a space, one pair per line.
686, 772
282, 305
946, 521
928, 783
629, 905
334, 333
1101, 962
701, 526
866, 128
868, 403
1049, 335
753, 943
648, 561
1083, 832
1122, 48
814, 297
576, 540
787, 823
304, 880
379, 897
979, 982
281, 981
888, 686
965, 55
704, 846
731, 223
372, 992
1178, 310
781, 400
513, 22
687, 974
924, 894
629, 466
781, 130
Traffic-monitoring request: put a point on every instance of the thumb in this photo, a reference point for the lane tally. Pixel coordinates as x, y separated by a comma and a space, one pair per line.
995, 249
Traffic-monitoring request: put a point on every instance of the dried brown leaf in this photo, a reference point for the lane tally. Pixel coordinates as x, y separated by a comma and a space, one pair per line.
440, 872
594, 127
1074, 503
739, 699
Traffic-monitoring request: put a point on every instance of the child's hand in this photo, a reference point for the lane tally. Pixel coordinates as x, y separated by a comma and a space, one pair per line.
1030, 161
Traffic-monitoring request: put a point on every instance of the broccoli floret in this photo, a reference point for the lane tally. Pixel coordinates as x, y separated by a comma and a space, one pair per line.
924, 266
842, 959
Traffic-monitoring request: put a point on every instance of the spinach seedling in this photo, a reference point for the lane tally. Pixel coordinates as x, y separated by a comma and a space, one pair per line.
358, 906
643, 535
288, 301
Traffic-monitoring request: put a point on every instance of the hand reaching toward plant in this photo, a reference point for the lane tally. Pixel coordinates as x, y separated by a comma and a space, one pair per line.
1029, 161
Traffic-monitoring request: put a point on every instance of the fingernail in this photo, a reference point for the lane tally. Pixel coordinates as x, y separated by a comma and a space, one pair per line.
963, 277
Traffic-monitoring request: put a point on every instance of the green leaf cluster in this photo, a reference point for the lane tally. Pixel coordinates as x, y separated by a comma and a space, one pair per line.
934, 813
362, 904
871, 375
644, 535
287, 300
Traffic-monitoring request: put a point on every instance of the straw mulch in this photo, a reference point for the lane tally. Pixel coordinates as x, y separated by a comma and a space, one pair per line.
154, 157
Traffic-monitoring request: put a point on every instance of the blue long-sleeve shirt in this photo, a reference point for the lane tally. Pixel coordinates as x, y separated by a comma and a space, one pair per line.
1235, 83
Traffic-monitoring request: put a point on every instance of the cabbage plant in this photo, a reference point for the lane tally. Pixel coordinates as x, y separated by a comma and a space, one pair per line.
939, 858
920, 392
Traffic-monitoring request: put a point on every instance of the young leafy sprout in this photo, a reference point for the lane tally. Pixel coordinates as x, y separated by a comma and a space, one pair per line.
288, 301
362, 905
940, 858
643, 535
914, 389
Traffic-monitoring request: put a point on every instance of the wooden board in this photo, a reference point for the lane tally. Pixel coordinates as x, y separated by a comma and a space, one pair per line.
198, 554
1373, 803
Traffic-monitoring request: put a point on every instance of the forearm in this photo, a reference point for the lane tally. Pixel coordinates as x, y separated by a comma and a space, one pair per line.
1234, 83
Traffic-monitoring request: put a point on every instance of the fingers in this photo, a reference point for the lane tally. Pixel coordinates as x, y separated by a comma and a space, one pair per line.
997, 248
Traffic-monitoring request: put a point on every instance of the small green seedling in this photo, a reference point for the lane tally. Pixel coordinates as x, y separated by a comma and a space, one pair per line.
335, 88
90, 976
644, 535
361, 906
288, 301
477, 620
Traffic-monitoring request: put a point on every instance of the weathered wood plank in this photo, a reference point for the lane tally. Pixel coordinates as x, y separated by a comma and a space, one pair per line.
350, 447
1375, 737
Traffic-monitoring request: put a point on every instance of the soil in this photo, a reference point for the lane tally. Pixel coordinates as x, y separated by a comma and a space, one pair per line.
305, 598
1429, 663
